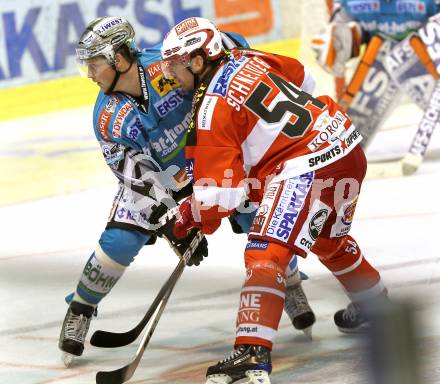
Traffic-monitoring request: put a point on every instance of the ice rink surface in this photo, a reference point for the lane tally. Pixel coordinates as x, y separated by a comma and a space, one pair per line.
45, 243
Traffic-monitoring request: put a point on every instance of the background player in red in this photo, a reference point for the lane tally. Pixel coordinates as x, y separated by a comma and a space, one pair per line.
255, 134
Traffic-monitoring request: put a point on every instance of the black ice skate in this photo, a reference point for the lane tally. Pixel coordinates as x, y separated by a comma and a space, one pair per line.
73, 333
298, 309
247, 361
351, 319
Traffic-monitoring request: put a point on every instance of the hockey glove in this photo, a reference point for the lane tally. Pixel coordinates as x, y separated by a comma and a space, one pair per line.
336, 45
186, 220
182, 244
179, 244
200, 252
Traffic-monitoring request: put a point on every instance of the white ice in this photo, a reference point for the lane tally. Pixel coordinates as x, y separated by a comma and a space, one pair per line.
45, 243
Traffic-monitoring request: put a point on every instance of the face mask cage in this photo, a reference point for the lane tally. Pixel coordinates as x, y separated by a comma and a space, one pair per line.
92, 67
172, 64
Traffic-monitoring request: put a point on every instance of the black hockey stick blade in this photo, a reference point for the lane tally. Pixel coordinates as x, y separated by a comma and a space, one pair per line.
105, 339
125, 373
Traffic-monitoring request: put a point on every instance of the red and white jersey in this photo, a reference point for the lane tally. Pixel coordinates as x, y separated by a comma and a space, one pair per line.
254, 121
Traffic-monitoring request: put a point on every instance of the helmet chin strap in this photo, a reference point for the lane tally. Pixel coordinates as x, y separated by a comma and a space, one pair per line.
116, 78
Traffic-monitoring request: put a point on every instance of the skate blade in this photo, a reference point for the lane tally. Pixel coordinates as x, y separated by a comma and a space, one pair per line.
218, 379
67, 359
308, 332
355, 331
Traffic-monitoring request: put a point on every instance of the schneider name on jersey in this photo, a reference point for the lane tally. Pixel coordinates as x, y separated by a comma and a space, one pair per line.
255, 120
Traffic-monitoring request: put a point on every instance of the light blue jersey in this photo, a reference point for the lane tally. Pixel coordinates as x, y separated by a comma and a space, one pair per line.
159, 129
391, 18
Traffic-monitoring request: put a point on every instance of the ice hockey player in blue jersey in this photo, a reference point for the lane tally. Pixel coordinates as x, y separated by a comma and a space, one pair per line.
400, 58
140, 120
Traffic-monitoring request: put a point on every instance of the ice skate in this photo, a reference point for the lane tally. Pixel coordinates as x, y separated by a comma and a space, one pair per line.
249, 362
298, 309
74, 331
351, 320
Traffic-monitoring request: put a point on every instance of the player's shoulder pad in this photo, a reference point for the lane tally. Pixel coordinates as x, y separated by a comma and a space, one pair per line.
115, 118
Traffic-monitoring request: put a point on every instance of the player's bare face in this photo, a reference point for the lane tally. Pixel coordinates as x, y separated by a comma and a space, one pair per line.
178, 70
100, 72
184, 77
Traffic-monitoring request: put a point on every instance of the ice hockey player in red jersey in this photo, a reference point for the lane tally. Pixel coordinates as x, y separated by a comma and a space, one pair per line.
256, 134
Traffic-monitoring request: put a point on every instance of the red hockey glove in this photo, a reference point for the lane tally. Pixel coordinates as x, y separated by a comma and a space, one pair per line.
186, 222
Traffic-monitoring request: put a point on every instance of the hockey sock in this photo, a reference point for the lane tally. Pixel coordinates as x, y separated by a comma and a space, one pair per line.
98, 277
360, 280
261, 304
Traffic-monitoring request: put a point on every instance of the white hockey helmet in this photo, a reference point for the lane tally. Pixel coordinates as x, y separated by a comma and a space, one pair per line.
103, 37
190, 35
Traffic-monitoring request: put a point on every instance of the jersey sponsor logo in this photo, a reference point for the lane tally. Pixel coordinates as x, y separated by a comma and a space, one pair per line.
132, 217
154, 70
169, 102
247, 330
364, 6
186, 25
162, 85
103, 123
393, 29
328, 127
222, 82
113, 154
326, 157
260, 219
259, 245
206, 110
250, 305
171, 137
189, 168
120, 118
410, 6
112, 102
345, 218
335, 150
313, 225
289, 204
317, 222
98, 277
134, 128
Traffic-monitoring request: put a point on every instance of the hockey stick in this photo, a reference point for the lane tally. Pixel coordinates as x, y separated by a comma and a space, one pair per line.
125, 373
414, 157
106, 339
